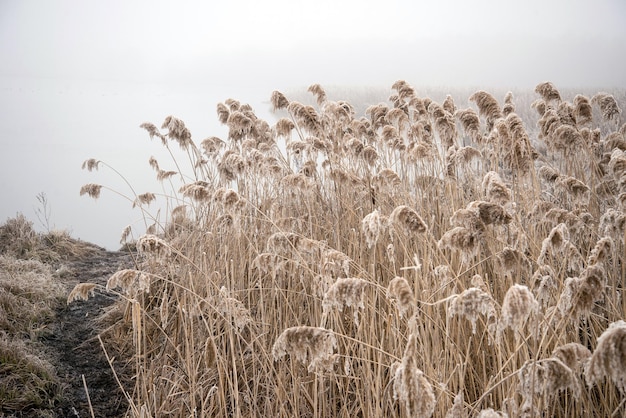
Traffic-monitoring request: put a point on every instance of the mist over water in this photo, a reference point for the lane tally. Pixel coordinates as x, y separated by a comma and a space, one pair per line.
50, 127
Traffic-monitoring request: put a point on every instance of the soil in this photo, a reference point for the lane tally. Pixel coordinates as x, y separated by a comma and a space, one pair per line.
73, 345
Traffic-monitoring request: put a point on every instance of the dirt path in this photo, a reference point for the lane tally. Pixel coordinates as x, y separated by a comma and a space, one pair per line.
74, 347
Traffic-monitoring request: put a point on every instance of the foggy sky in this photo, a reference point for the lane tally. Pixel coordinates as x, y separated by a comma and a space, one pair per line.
77, 77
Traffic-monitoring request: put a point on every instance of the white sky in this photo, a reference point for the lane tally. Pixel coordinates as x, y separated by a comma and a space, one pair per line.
77, 77
446, 42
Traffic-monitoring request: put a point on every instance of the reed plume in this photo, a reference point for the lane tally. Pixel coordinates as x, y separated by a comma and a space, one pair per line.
411, 387
518, 305
470, 304
488, 107
92, 190
573, 355
582, 110
609, 357
406, 219
470, 123
81, 291
400, 291
548, 92
279, 101
608, 106
345, 292
311, 346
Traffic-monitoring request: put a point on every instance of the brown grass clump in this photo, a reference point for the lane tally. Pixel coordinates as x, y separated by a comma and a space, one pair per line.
609, 357
311, 346
411, 387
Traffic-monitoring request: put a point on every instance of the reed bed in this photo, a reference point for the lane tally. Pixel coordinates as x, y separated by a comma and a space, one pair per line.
418, 260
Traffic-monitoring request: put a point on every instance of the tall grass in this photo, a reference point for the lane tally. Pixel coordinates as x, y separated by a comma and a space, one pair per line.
418, 260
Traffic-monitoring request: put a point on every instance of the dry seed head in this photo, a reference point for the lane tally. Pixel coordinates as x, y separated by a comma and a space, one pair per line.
309, 345
318, 92
448, 105
491, 213
608, 106
494, 188
81, 291
198, 191
470, 123
544, 284
232, 309
154, 163
548, 92
150, 244
125, 233
467, 218
548, 173
470, 303
491, 413
123, 278
164, 175
509, 106
210, 353
335, 263
582, 110
546, 378
609, 357
177, 131
581, 293
90, 164
458, 407
488, 107
406, 219
283, 243
145, 199
519, 303
345, 292
411, 387
612, 224
602, 251
400, 291
461, 239
211, 145
371, 226
92, 190
231, 165
152, 130
573, 355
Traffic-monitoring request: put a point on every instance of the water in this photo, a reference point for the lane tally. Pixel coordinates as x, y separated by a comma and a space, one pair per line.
48, 127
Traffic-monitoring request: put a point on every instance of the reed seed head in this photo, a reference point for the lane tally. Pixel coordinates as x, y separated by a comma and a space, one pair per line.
311, 346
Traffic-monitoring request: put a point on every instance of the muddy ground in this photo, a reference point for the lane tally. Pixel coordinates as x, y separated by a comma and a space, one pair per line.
73, 345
